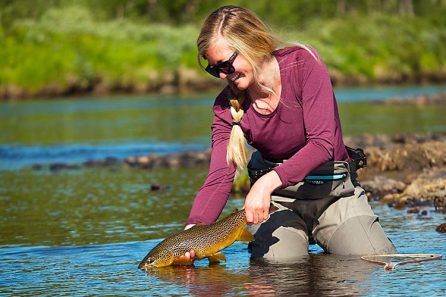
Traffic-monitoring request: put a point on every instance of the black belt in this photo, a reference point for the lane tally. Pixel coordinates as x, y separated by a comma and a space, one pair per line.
357, 156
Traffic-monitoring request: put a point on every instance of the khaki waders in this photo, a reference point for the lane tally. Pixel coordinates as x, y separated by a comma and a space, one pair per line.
328, 208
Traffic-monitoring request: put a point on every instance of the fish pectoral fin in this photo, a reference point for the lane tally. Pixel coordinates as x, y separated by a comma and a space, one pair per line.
216, 258
182, 260
245, 235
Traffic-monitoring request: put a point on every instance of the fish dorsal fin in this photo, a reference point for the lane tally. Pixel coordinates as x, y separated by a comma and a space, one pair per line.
216, 258
245, 235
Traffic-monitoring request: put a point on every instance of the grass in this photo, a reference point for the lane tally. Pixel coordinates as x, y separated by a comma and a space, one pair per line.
68, 48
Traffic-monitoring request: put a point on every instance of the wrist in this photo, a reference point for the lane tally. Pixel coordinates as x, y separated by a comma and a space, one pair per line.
271, 181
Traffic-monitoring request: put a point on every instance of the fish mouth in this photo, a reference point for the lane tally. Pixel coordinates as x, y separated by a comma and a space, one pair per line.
145, 263
145, 266
142, 266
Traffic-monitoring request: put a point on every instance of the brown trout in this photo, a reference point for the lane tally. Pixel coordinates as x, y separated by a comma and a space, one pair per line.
205, 240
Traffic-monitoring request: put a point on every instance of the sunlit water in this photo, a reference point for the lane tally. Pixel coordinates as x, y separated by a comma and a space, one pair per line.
83, 231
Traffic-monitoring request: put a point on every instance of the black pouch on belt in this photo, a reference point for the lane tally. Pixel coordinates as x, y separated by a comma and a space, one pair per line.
359, 159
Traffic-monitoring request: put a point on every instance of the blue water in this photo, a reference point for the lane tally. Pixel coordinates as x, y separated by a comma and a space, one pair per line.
111, 269
14, 157
77, 130
83, 232
361, 94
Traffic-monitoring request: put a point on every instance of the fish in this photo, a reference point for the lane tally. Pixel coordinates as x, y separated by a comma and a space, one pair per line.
206, 240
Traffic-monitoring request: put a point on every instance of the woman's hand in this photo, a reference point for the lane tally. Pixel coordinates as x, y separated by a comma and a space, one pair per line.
258, 200
188, 256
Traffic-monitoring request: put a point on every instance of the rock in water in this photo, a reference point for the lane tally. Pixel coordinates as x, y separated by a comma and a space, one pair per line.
441, 228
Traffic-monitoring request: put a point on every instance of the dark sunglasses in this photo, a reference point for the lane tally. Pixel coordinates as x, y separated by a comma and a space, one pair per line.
224, 67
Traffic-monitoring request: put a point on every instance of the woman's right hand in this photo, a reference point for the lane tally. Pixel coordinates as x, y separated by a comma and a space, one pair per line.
189, 256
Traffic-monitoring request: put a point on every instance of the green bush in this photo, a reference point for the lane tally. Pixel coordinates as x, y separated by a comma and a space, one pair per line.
70, 46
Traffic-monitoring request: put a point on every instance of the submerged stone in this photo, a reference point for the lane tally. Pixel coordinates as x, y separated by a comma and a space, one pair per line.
441, 228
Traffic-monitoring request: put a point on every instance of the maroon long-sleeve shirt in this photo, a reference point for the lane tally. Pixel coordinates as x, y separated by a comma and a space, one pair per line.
304, 130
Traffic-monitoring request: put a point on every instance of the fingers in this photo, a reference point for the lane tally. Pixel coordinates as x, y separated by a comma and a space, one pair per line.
265, 214
256, 216
190, 255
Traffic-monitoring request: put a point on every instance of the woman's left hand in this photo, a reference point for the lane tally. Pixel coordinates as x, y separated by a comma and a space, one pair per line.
258, 200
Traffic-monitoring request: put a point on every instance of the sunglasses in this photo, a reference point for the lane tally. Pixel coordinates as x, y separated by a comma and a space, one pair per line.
224, 67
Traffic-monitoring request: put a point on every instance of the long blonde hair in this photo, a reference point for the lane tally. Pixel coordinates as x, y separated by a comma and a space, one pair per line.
250, 37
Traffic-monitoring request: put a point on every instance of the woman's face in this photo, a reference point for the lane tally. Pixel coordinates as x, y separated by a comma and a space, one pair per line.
218, 52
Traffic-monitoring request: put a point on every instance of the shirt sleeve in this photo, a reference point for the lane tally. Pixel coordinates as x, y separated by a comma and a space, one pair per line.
213, 195
318, 105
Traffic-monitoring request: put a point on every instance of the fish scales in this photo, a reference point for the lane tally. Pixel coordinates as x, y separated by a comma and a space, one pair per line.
205, 240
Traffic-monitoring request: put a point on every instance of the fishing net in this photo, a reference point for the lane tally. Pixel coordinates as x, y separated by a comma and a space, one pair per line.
390, 261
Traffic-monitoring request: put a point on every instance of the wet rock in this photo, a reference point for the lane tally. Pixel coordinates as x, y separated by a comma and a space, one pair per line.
381, 186
109, 161
411, 173
441, 228
159, 187
36, 167
185, 159
428, 186
62, 166
414, 210
421, 100
406, 170
173, 161
407, 157
385, 141
398, 205
146, 162
427, 189
399, 201
424, 215
440, 204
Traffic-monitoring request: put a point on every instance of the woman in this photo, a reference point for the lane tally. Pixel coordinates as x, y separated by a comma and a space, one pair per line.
282, 102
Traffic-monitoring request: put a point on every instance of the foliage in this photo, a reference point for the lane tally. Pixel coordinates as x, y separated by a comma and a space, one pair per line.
68, 46
67, 43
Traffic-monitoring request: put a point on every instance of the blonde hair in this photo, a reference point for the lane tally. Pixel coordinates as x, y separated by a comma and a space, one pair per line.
250, 37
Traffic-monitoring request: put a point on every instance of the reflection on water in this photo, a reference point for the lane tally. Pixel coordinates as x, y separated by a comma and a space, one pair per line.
136, 119
83, 231
111, 269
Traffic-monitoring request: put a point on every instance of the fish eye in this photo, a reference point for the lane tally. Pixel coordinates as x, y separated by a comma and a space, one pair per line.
150, 260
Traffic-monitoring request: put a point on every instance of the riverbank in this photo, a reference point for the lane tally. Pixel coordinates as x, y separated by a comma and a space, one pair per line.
69, 52
403, 171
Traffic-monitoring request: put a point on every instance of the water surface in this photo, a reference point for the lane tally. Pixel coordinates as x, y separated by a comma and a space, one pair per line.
83, 231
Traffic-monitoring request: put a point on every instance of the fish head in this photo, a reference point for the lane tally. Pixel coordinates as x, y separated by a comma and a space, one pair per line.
158, 258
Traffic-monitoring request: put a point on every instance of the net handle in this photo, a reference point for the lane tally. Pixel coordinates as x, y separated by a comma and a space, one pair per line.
391, 265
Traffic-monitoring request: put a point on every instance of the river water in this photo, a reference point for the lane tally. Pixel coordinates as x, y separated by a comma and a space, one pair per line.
83, 231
